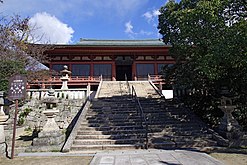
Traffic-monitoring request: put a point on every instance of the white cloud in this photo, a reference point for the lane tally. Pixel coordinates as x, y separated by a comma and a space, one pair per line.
48, 29
132, 34
148, 16
128, 28
151, 15
82, 8
156, 13
147, 33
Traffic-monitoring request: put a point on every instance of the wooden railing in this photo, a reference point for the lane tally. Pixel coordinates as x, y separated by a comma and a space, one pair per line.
155, 78
74, 80
140, 112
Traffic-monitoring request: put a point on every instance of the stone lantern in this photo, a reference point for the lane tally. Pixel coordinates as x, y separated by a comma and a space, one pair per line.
50, 112
229, 126
51, 136
50, 100
3, 119
65, 77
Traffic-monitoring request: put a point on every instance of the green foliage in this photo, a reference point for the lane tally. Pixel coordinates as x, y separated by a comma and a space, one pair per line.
209, 44
7, 69
23, 115
18, 52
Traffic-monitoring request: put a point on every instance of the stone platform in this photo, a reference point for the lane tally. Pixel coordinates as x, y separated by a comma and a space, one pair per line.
154, 157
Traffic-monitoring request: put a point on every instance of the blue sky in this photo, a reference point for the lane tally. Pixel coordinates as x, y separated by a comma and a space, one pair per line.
66, 21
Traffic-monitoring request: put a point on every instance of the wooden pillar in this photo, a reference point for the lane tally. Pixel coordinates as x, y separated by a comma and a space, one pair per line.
91, 70
113, 72
134, 76
155, 68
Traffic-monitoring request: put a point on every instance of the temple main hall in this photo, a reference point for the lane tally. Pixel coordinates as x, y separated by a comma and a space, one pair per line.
115, 60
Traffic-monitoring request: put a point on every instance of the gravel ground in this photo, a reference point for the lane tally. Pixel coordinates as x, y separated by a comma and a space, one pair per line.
227, 158
71, 160
231, 158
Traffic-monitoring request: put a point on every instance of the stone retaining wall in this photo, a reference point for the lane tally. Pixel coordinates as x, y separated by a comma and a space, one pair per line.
68, 109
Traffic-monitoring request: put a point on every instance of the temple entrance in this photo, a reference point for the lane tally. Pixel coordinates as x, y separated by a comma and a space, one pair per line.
122, 70
123, 67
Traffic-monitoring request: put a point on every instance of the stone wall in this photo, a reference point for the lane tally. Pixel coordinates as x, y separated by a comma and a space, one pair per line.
68, 109
36, 119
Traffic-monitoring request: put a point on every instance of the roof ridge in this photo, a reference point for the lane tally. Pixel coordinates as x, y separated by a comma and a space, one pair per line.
89, 39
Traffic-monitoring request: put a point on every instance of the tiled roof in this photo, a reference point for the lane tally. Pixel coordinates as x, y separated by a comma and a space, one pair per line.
95, 42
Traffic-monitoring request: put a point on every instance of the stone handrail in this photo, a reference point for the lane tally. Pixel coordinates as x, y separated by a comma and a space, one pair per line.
72, 136
98, 90
156, 89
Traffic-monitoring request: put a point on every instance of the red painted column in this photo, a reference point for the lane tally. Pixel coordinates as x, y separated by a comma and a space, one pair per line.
155, 68
91, 70
113, 71
134, 76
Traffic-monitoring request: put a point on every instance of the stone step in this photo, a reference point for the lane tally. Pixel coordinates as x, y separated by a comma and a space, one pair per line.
175, 124
195, 143
113, 114
105, 141
107, 124
162, 123
134, 120
122, 112
169, 112
109, 132
105, 103
111, 128
182, 144
112, 117
119, 117
137, 125
186, 133
163, 145
116, 136
106, 147
177, 134
178, 138
151, 128
113, 105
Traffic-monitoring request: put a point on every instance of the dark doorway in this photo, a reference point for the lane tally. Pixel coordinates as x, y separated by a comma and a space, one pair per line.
121, 70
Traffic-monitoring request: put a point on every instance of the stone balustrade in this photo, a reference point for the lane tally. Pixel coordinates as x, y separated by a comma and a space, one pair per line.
41, 94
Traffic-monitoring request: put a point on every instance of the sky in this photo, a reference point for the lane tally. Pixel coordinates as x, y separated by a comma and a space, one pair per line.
66, 21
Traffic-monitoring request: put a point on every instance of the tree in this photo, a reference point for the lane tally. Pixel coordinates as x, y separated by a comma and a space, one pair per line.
209, 43
17, 52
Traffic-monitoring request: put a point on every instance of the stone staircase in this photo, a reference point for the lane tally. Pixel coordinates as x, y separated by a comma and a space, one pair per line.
112, 122
171, 126
144, 89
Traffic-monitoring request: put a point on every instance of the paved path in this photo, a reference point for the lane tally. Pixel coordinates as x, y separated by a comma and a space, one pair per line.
153, 157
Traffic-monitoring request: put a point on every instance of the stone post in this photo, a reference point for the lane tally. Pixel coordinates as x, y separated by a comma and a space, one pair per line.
3, 119
65, 77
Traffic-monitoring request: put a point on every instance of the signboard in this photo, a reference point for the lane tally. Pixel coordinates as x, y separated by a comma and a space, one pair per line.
17, 87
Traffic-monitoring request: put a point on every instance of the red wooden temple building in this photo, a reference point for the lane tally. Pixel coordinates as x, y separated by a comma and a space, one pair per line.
113, 59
